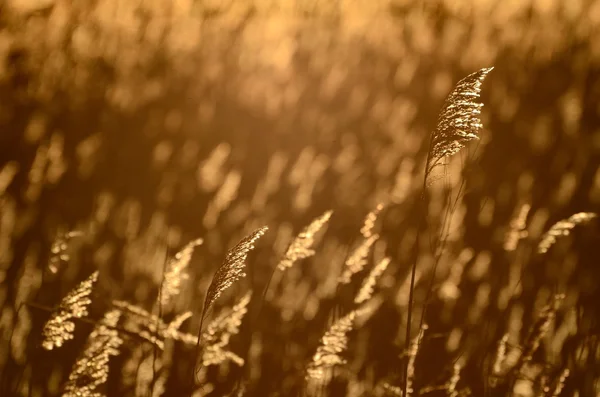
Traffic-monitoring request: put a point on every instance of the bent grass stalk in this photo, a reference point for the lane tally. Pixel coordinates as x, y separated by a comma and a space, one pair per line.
230, 271
458, 124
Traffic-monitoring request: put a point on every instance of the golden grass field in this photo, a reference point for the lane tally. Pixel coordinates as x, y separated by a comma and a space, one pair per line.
231, 198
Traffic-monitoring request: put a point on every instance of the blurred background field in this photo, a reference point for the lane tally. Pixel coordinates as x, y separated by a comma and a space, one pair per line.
145, 124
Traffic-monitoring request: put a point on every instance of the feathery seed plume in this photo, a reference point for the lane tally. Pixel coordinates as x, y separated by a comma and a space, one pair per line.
91, 368
176, 272
232, 269
458, 122
333, 342
219, 331
366, 290
301, 246
60, 328
358, 259
563, 228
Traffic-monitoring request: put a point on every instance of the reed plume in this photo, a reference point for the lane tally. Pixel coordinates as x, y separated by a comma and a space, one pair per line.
563, 228
458, 122
60, 328
301, 246
232, 268
218, 333
333, 343
366, 290
358, 258
91, 368
175, 272
230, 271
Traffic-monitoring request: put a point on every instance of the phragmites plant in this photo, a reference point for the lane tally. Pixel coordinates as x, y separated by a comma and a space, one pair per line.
458, 122
61, 326
232, 268
230, 271
354, 131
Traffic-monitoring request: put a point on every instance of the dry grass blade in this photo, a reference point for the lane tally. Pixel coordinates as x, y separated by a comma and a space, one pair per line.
334, 342
91, 368
458, 122
220, 330
366, 290
563, 228
60, 328
232, 268
175, 272
301, 247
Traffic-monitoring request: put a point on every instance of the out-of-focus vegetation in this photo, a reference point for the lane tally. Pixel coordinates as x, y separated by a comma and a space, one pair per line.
131, 128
